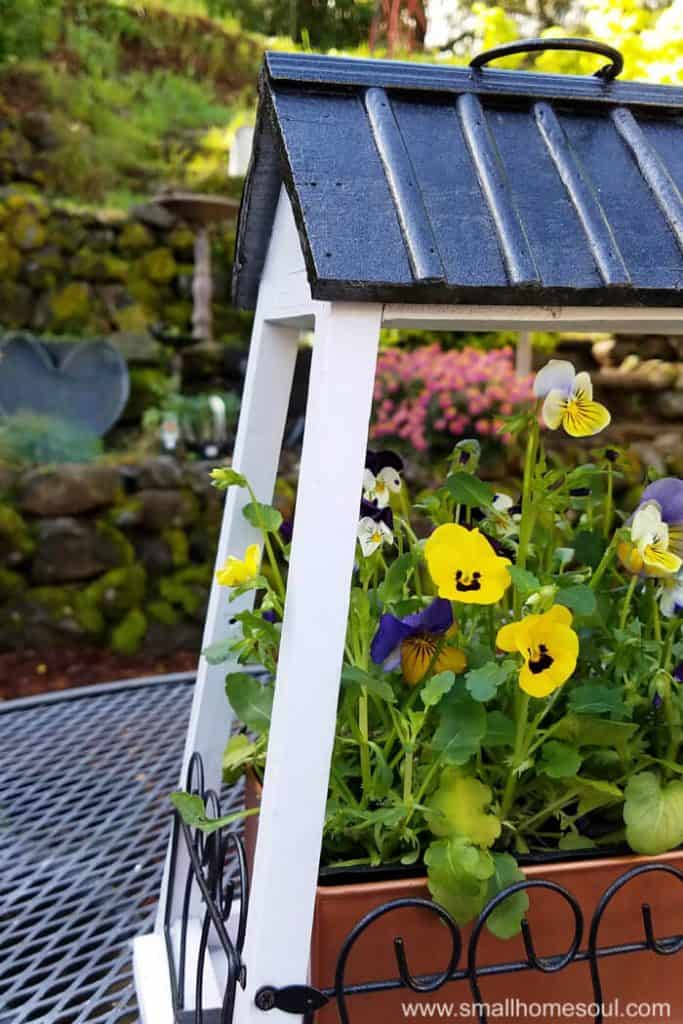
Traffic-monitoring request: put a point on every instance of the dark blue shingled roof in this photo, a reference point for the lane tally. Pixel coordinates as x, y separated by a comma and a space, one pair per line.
416, 183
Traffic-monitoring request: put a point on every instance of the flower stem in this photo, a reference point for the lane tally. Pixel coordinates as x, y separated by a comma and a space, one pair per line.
521, 720
526, 525
609, 500
275, 568
364, 746
604, 563
627, 601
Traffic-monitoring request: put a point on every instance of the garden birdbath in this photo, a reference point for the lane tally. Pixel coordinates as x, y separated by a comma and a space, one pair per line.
201, 212
383, 194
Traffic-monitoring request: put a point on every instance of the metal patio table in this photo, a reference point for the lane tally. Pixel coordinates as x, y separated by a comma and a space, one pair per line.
84, 824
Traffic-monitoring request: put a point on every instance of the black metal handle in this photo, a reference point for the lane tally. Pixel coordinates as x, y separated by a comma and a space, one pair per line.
607, 73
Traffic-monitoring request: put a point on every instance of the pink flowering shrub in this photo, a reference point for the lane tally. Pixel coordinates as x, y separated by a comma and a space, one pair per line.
429, 398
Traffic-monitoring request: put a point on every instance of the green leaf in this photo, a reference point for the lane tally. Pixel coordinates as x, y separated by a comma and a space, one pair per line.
238, 753
391, 588
469, 490
574, 841
353, 676
225, 477
589, 547
595, 793
506, 920
436, 687
192, 811
525, 582
219, 652
458, 807
597, 699
251, 700
653, 814
586, 731
461, 727
579, 598
482, 683
263, 517
458, 875
559, 760
500, 730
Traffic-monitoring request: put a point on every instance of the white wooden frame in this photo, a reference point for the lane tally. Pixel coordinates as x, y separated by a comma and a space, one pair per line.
346, 337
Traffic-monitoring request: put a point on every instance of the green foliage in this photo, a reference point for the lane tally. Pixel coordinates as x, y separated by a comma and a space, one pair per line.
29, 28
128, 635
653, 814
29, 439
193, 813
251, 700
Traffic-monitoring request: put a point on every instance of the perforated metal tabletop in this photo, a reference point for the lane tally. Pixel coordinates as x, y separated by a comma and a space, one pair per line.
84, 820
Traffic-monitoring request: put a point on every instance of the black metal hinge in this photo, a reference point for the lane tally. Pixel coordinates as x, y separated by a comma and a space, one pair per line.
290, 999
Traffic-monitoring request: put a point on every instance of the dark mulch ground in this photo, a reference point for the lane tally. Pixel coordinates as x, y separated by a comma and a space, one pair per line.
27, 673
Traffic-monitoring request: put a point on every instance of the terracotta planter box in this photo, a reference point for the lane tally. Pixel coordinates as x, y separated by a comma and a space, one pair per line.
635, 978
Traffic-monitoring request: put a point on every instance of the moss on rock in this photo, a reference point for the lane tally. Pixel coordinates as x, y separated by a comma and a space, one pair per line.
159, 266
113, 537
27, 231
178, 545
10, 259
11, 583
118, 591
70, 306
135, 237
14, 531
127, 637
163, 612
99, 266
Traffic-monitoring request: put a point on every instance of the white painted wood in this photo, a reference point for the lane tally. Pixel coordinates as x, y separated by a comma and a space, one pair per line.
280, 918
152, 982
533, 318
257, 450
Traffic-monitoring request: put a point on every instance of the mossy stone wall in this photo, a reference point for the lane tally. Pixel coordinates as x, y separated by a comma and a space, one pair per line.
119, 556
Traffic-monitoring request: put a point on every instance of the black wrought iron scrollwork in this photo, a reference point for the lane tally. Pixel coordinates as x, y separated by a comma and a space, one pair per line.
662, 947
210, 856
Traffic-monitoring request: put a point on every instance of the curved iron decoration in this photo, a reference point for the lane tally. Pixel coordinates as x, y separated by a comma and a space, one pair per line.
208, 857
407, 979
607, 73
662, 947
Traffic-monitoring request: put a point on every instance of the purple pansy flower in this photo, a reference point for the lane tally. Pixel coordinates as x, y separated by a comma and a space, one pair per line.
411, 642
678, 672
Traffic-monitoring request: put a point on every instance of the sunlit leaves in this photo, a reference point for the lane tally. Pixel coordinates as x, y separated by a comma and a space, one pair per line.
653, 814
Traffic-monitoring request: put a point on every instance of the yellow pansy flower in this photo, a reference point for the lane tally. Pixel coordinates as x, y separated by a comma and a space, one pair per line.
465, 567
549, 646
569, 400
650, 542
237, 571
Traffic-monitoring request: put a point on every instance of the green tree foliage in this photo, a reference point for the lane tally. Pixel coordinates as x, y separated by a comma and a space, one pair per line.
316, 23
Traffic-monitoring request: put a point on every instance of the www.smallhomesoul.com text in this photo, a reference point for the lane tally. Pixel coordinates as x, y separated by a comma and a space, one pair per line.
520, 1010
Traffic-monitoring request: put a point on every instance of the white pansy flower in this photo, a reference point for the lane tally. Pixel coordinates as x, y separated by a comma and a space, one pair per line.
378, 489
372, 535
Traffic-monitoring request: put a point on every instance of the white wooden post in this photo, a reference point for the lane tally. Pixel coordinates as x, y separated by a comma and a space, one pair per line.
265, 399
277, 947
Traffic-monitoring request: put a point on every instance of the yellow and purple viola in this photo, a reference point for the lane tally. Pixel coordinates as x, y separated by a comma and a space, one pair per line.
418, 642
656, 542
568, 400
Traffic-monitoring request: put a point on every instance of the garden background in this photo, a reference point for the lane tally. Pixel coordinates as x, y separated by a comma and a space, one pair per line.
106, 547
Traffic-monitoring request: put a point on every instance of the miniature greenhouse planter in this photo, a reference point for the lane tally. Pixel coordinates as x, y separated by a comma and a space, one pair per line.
391, 195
